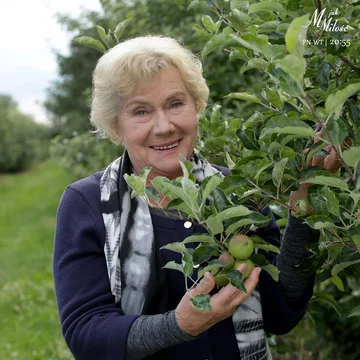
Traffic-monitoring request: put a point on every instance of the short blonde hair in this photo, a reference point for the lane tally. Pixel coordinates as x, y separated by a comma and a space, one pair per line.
120, 69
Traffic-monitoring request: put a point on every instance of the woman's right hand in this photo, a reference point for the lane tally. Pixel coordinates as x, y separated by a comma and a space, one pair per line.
194, 321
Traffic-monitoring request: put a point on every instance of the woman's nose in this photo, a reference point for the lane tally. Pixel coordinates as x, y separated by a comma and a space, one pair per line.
163, 123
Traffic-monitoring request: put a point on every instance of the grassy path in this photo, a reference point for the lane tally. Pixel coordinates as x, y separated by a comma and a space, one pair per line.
29, 322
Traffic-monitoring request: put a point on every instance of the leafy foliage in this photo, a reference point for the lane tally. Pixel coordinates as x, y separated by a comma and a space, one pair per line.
22, 141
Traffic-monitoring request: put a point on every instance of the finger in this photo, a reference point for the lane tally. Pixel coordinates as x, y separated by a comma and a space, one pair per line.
205, 285
250, 285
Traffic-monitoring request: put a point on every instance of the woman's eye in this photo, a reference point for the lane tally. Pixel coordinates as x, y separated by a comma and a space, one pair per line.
140, 113
175, 105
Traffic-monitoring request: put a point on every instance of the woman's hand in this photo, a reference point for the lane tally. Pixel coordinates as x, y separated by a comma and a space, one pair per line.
330, 162
194, 321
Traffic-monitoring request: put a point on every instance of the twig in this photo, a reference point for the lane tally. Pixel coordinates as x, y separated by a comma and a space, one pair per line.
348, 62
319, 5
222, 16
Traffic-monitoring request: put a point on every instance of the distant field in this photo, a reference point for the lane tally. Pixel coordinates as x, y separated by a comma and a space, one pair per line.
29, 324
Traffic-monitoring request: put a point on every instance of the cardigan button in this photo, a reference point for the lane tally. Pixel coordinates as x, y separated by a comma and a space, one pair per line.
187, 224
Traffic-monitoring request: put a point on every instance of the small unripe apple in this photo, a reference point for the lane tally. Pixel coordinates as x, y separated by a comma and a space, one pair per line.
250, 266
228, 259
221, 279
241, 246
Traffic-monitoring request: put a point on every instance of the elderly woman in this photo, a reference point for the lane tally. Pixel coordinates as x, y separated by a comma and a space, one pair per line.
115, 301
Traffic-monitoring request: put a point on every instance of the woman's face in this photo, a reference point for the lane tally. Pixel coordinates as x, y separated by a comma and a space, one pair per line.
158, 122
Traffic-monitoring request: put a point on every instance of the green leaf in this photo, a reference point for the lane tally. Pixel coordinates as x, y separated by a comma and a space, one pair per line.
138, 183
356, 240
208, 23
285, 125
331, 200
178, 247
335, 102
278, 171
213, 266
120, 27
201, 302
295, 66
238, 19
296, 35
172, 265
214, 182
272, 95
102, 34
352, 156
236, 279
255, 63
90, 42
255, 218
327, 299
247, 96
319, 222
152, 193
202, 253
188, 264
236, 211
220, 200
197, 238
217, 41
260, 260
247, 138
259, 243
340, 267
355, 311
327, 181
337, 282
258, 43
266, 6
309, 265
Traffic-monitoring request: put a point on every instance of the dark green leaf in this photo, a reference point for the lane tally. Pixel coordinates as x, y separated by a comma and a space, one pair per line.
201, 302
327, 299
236, 279
202, 253
247, 138
355, 311
312, 263
340, 267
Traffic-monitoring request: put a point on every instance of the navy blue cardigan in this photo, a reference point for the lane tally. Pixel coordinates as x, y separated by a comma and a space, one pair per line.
93, 327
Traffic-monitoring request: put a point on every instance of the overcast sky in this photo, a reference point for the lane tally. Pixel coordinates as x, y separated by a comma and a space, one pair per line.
28, 35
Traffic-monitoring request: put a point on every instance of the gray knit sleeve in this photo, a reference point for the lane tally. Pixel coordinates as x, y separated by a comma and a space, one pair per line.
296, 287
151, 333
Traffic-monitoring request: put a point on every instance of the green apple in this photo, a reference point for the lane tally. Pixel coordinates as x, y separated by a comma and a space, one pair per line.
241, 246
248, 262
221, 279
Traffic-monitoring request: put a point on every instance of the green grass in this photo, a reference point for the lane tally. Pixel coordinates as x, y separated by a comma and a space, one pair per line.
29, 323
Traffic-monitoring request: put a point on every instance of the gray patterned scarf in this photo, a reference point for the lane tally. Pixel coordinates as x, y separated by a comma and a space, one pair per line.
130, 254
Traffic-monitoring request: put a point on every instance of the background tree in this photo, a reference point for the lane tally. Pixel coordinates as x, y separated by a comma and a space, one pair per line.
22, 141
